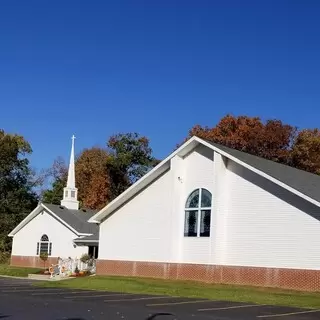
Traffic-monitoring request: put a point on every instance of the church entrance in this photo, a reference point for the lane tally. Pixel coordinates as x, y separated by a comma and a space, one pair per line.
93, 251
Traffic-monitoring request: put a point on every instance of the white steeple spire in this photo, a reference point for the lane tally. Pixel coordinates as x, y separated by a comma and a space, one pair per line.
71, 183
70, 192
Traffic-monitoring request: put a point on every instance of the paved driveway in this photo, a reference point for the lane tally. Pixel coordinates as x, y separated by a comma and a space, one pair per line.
19, 299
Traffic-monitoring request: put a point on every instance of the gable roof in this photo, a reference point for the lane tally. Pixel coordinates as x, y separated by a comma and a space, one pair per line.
299, 182
302, 181
75, 220
78, 219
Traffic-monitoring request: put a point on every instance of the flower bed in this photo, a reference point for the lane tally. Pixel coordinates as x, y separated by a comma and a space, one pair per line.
84, 273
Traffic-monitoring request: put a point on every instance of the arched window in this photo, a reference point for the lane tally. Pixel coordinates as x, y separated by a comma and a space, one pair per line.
44, 246
44, 238
198, 214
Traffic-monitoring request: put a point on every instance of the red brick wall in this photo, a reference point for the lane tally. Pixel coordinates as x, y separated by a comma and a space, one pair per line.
305, 280
34, 261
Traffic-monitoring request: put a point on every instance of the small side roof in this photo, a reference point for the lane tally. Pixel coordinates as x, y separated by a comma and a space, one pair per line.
93, 240
75, 220
301, 183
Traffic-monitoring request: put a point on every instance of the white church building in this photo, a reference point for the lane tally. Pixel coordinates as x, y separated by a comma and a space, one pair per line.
58, 230
214, 214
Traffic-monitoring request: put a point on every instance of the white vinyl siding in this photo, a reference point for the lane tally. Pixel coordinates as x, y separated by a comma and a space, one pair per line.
253, 221
198, 173
25, 241
140, 230
263, 229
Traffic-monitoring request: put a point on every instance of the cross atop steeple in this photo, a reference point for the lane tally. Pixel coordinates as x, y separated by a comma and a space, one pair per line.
70, 192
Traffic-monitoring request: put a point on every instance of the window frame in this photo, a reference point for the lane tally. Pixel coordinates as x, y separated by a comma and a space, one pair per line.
198, 215
44, 240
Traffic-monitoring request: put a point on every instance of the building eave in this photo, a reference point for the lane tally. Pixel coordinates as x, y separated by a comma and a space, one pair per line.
37, 211
165, 164
261, 173
153, 174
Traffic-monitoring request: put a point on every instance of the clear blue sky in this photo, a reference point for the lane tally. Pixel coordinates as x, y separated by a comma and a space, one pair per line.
95, 68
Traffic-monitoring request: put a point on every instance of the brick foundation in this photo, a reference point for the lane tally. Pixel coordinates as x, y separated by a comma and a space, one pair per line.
296, 279
31, 261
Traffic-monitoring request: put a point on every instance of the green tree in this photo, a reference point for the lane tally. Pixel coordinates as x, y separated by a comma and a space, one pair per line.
130, 157
58, 175
17, 181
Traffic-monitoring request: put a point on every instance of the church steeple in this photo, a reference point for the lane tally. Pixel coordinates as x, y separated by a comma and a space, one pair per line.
70, 192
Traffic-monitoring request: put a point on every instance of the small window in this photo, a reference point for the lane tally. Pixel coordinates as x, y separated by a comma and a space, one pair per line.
198, 214
44, 246
66, 194
73, 194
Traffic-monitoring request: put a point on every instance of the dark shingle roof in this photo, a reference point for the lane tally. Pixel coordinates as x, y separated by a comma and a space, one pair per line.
77, 219
302, 181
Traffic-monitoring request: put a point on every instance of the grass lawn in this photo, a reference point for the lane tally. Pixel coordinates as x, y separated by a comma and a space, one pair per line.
8, 270
193, 289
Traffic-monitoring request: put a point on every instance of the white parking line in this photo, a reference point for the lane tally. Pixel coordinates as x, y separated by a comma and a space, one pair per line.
288, 314
176, 303
64, 292
99, 295
31, 290
14, 288
137, 299
232, 307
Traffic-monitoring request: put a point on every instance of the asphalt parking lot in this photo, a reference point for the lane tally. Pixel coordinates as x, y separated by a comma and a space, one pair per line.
20, 299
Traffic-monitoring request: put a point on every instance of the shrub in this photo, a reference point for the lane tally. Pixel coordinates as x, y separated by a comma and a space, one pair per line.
5, 257
44, 257
76, 270
84, 258
90, 262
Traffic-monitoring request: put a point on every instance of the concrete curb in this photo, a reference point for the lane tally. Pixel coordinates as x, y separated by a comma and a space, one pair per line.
42, 277
13, 277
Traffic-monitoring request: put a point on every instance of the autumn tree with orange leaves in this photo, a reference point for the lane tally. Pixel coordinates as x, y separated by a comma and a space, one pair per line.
92, 178
271, 139
103, 173
305, 153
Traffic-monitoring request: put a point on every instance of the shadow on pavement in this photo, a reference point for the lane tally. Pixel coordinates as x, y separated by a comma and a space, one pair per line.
158, 315
152, 317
